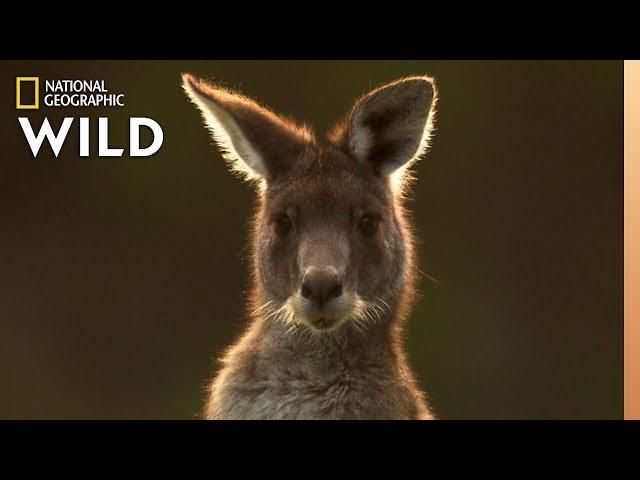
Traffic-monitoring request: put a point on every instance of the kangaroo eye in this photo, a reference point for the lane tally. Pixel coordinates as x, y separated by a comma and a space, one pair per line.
368, 225
283, 225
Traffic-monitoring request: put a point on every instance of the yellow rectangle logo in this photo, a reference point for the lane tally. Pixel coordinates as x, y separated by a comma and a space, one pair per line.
36, 102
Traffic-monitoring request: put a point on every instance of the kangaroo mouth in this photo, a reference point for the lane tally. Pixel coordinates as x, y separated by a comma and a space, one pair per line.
328, 316
324, 323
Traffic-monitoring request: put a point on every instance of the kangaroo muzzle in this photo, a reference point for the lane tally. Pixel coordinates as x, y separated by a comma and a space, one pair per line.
321, 285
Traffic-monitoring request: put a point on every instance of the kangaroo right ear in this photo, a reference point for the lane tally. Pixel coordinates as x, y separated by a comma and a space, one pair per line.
389, 128
257, 143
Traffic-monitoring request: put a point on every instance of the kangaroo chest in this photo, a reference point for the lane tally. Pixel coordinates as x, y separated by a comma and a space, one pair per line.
317, 387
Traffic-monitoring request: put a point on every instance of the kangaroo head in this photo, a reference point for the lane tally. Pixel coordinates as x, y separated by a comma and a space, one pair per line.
331, 245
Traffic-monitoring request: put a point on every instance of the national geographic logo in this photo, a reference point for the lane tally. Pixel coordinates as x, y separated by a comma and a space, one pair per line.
70, 94
65, 93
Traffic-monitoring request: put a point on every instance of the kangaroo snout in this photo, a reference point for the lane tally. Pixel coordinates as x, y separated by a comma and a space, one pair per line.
321, 285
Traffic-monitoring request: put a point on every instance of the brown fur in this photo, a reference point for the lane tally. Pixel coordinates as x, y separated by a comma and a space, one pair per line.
325, 211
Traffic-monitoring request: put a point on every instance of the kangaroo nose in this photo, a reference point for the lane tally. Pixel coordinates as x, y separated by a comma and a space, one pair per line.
321, 285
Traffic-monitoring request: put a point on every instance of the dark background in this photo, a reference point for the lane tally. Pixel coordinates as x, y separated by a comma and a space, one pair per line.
121, 279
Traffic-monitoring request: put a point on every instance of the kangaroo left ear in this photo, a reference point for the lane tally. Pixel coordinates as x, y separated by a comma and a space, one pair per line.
390, 127
257, 143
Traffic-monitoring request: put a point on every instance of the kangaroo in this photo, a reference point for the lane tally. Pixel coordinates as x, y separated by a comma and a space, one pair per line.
333, 260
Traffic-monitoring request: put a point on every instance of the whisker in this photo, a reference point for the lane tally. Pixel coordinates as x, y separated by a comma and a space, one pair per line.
262, 307
434, 280
385, 304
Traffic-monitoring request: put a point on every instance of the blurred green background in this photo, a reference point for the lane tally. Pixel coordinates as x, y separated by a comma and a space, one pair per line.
121, 279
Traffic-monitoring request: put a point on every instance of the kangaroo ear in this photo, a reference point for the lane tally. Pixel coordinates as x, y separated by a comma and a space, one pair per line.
257, 143
390, 126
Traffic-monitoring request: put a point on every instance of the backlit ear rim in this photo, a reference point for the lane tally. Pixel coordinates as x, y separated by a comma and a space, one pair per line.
401, 111
390, 151
242, 157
